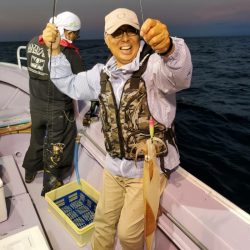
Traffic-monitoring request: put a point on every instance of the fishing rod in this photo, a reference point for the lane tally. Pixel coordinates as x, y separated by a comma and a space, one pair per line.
49, 84
54, 150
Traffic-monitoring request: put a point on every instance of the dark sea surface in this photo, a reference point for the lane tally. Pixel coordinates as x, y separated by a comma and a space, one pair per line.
213, 117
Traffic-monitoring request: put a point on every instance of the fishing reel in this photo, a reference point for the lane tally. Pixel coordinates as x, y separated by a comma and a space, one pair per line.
56, 152
53, 153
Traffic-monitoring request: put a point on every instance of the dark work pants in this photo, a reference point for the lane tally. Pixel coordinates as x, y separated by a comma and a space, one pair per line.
61, 129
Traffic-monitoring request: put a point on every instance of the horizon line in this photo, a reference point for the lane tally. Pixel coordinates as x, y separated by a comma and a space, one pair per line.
201, 36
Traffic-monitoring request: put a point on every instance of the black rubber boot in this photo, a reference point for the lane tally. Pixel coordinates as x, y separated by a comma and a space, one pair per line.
51, 180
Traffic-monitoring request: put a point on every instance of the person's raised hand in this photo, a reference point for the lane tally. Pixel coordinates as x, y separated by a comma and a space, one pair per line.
156, 35
51, 36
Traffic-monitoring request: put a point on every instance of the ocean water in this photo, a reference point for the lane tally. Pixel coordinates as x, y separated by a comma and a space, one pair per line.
213, 116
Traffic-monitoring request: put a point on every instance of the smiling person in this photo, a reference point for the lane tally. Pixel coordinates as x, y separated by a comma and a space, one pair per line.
139, 80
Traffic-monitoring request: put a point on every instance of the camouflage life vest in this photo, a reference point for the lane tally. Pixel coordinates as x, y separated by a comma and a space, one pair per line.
126, 126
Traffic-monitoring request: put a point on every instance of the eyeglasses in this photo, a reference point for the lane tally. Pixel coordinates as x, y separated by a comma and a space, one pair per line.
130, 31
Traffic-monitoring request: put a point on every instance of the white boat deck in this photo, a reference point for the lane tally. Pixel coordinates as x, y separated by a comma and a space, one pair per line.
27, 208
195, 216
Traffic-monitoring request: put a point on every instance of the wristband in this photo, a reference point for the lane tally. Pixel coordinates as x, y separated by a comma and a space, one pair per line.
169, 48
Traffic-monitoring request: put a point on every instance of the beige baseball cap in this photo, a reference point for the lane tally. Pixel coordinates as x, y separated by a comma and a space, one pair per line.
119, 17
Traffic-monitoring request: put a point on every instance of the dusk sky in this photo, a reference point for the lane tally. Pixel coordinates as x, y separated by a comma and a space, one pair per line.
20, 20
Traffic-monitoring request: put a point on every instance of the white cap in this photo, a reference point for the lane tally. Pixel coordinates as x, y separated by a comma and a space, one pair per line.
67, 21
119, 17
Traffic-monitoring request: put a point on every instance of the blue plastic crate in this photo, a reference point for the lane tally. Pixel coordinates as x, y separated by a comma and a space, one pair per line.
79, 207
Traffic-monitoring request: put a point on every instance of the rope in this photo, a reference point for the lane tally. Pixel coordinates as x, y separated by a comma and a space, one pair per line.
20, 128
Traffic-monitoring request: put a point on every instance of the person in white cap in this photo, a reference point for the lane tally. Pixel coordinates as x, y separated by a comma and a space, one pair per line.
52, 112
139, 81
68, 24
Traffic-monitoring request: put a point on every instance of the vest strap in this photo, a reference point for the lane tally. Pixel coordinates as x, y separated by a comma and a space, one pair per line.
144, 56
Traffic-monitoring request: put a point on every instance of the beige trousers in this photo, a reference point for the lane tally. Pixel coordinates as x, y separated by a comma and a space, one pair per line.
120, 212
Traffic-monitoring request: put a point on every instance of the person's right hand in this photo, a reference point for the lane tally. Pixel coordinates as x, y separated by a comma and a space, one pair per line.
52, 36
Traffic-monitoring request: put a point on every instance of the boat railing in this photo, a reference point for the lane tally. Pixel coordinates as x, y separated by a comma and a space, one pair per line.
19, 57
183, 229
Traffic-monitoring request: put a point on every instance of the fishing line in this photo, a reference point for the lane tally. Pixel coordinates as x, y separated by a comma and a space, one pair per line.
142, 16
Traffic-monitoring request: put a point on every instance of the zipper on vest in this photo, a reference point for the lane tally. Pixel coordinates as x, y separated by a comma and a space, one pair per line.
117, 114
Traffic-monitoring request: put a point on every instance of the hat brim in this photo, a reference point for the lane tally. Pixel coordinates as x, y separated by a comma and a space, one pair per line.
117, 25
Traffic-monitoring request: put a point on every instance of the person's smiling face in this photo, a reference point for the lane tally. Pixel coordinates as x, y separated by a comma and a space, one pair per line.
124, 44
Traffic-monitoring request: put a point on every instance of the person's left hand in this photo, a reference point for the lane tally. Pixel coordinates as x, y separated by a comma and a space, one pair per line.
156, 35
